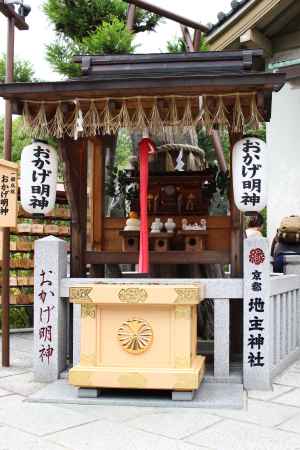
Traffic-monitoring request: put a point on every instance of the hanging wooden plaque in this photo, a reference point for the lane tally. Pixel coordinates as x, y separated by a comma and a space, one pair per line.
8, 193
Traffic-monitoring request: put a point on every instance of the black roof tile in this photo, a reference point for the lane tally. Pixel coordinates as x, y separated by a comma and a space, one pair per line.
236, 5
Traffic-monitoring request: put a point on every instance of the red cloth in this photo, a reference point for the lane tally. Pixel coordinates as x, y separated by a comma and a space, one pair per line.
146, 146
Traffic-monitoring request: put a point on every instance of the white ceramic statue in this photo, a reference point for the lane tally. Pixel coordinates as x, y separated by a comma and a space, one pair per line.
170, 225
203, 224
157, 226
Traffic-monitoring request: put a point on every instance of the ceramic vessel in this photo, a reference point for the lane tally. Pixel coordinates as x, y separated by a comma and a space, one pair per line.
170, 225
157, 226
132, 223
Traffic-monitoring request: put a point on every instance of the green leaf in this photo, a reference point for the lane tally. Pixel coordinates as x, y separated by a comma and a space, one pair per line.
23, 70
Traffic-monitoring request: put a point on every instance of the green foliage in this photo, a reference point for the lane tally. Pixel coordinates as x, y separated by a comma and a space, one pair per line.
177, 45
19, 138
18, 318
261, 133
60, 55
265, 217
123, 150
91, 27
23, 70
110, 37
78, 19
205, 142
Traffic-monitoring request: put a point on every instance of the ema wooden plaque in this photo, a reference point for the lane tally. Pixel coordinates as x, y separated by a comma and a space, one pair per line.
8, 193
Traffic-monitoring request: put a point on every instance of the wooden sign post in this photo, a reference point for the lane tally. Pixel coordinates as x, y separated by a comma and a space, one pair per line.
8, 194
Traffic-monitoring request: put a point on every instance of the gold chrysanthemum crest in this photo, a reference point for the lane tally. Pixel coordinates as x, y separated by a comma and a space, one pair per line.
135, 336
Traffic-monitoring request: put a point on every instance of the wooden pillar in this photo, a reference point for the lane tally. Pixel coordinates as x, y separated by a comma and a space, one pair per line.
6, 234
131, 17
197, 40
98, 201
236, 263
74, 155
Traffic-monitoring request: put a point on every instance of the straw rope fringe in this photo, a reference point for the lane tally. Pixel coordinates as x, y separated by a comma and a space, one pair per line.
101, 117
91, 121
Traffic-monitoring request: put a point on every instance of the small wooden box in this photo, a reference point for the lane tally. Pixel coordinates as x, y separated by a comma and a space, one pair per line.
161, 241
140, 336
64, 229
24, 227
37, 228
13, 246
51, 229
25, 245
194, 240
130, 241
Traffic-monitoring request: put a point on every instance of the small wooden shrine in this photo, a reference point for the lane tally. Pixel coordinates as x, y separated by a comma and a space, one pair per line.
167, 95
158, 92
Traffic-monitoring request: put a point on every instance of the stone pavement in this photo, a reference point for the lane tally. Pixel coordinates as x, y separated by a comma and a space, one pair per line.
270, 420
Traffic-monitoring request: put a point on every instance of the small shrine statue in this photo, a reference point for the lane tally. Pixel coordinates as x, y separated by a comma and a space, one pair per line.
184, 224
157, 226
203, 225
132, 223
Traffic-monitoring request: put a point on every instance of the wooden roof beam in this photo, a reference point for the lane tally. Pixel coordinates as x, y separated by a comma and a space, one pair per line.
168, 14
255, 39
187, 38
131, 16
9, 11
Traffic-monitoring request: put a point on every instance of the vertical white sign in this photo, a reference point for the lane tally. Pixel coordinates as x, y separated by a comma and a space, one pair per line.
257, 345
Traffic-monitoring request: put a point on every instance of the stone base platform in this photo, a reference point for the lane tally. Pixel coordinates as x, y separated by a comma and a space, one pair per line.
209, 395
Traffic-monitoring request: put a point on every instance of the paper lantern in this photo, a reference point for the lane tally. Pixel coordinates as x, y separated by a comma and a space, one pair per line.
38, 178
249, 171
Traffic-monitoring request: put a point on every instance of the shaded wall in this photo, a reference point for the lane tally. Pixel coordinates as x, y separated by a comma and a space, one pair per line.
283, 138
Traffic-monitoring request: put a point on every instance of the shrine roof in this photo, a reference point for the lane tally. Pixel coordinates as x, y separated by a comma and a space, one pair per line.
192, 74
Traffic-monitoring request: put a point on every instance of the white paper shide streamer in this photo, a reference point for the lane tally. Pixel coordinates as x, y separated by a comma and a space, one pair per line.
38, 178
249, 171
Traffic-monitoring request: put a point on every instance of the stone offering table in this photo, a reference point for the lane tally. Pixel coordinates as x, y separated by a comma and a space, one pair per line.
138, 336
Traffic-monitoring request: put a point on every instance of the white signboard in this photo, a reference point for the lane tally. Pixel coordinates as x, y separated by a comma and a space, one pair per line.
8, 193
38, 178
249, 171
257, 343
